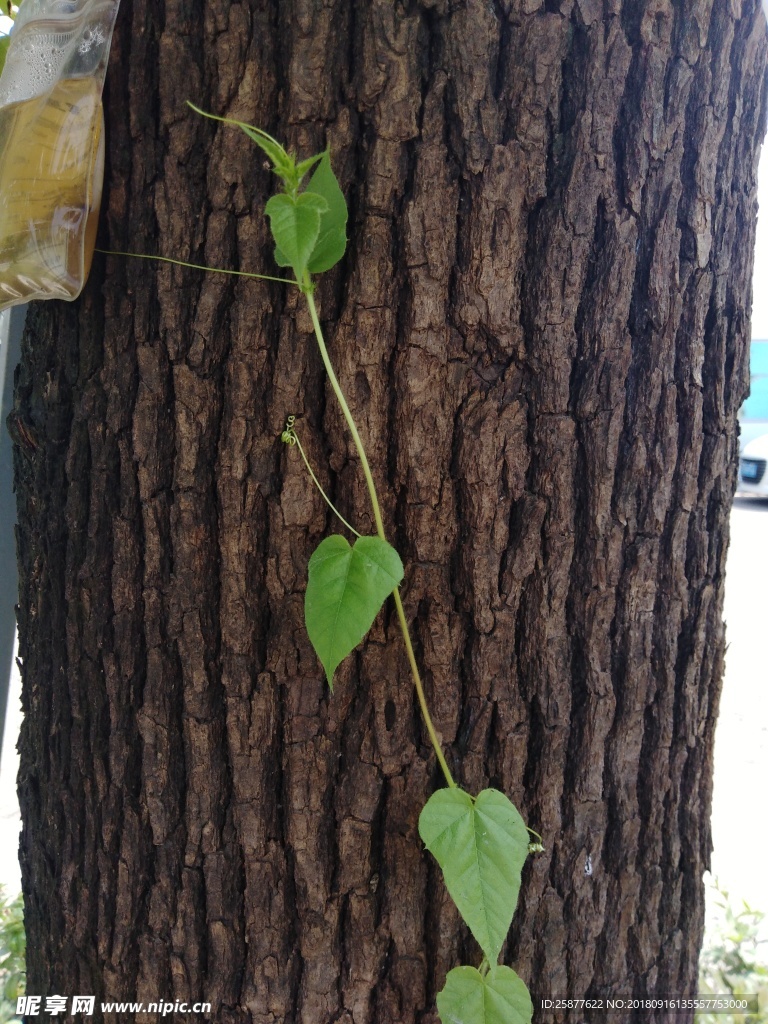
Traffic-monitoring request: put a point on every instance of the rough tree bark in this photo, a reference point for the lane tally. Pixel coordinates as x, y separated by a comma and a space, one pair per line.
542, 326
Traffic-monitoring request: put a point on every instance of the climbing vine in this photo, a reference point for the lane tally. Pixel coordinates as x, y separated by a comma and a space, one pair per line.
480, 842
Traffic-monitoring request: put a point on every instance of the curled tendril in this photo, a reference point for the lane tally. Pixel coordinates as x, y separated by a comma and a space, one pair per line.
535, 847
288, 436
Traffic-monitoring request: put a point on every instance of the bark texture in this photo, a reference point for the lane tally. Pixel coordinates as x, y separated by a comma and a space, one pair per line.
541, 325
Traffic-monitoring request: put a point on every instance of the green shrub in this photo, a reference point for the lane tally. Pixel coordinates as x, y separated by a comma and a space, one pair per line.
13, 946
735, 961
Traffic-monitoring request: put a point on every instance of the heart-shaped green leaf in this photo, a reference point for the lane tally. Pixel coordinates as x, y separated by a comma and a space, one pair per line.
295, 224
332, 240
498, 998
280, 258
481, 845
346, 588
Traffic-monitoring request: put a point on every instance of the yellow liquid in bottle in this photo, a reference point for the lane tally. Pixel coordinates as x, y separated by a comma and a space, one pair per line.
50, 187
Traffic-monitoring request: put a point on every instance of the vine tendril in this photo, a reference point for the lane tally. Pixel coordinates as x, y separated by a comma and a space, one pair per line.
290, 437
535, 847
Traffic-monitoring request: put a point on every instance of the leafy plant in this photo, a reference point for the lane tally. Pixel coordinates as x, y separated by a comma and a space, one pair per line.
481, 842
11, 10
13, 946
735, 961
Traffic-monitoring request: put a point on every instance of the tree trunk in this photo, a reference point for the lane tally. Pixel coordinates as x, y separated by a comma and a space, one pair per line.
541, 325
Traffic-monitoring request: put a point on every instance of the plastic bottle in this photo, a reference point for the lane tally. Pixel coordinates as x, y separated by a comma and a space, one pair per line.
52, 147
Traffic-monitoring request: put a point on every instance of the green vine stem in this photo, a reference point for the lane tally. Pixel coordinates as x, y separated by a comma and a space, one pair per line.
420, 689
308, 290
306, 286
196, 266
480, 842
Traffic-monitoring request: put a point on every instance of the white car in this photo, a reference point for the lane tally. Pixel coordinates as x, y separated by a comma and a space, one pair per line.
753, 478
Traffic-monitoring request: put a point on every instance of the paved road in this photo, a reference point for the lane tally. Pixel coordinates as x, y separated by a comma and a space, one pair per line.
739, 816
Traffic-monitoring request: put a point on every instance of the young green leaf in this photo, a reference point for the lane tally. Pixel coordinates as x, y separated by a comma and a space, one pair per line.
346, 588
295, 224
282, 162
481, 845
306, 165
332, 240
498, 998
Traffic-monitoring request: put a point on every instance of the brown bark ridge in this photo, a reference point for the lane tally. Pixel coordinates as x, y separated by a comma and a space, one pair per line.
541, 325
